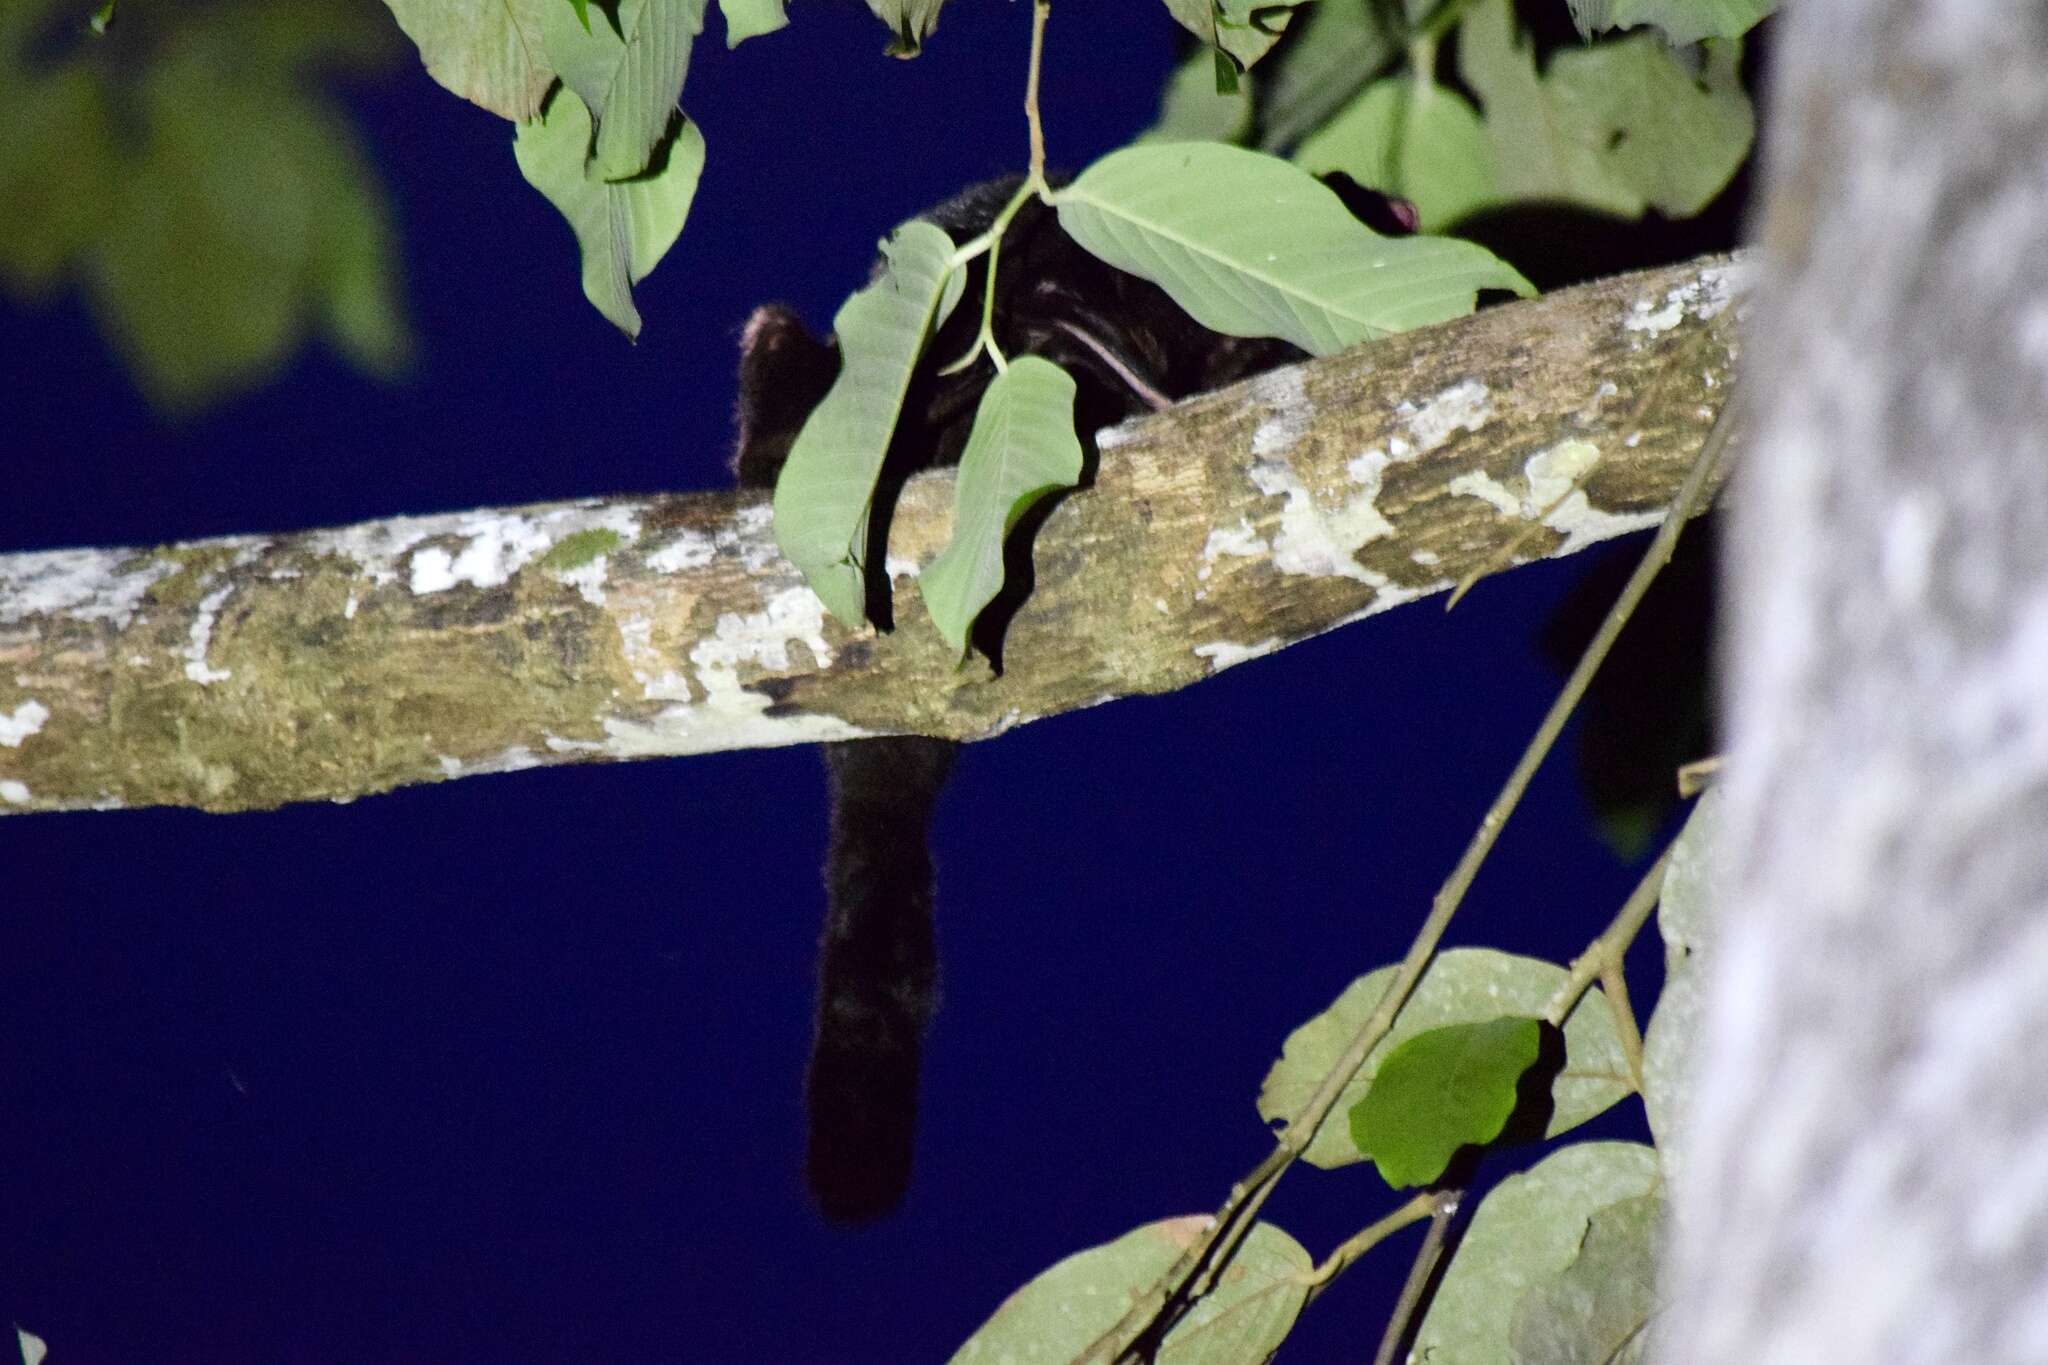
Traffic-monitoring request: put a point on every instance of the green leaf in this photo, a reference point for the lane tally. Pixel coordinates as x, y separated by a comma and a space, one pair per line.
60, 174
1054, 1317
822, 497
746, 19
1342, 45
1245, 30
246, 211
1685, 917
1597, 1310
1683, 21
487, 51
102, 19
910, 23
1192, 110
1527, 1229
1022, 447
582, 13
1412, 138
1616, 127
622, 228
1448, 1088
1249, 245
1462, 986
630, 79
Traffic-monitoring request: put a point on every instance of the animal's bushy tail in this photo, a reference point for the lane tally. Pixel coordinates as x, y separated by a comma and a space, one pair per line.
877, 973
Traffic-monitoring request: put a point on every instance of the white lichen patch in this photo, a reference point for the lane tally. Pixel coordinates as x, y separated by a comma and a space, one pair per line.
24, 720
1428, 559
1465, 406
1289, 413
201, 639
689, 550
587, 578
658, 681
511, 759
1705, 296
1477, 483
727, 714
899, 567
14, 792
488, 547
1316, 540
1552, 474
1240, 541
1223, 654
84, 585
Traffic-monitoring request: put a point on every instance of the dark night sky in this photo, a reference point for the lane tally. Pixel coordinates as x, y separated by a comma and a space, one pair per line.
509, 1069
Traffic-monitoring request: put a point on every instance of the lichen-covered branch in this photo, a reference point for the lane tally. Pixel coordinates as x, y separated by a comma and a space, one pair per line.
252, 671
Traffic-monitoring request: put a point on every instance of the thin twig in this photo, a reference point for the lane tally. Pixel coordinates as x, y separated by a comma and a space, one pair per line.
1040, 11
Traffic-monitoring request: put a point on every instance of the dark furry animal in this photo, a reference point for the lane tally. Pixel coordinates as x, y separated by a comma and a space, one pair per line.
1129, 348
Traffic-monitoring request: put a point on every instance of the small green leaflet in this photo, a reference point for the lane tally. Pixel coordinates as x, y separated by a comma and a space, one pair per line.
1597, 1310
1529, 1227
822, 498
1413, 138
582, 13
1250, 245
487, 51
102, 19
1683, 21
629, 79
1462, 986
910, 21
1057, 1315
622, 229
1022, 448
746, 19
1442, 1090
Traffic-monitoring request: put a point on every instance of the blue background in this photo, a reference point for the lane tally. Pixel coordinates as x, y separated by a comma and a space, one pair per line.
509, 1069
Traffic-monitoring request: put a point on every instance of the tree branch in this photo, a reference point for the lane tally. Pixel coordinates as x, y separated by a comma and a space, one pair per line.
251, 671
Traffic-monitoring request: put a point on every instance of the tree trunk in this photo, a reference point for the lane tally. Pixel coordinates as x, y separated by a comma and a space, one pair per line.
1868, 1172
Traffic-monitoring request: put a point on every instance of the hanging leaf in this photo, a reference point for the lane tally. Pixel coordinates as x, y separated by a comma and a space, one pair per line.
1597, 1310
1462, 986
1527, 1230
487, 51
630, 78
1683, 21
1022, 447
746, 19
1412, 138
1442, 1090
622, 229
910, 22
1249, 245
822, 497
1059, 1313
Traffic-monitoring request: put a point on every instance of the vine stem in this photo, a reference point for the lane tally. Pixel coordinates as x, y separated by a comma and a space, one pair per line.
1153, 1312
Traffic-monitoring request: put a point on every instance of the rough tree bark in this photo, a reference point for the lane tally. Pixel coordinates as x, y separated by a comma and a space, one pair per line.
256, 670
1868, 1168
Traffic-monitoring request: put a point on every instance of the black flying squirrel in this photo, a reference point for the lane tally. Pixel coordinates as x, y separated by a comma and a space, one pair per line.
1129, 349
